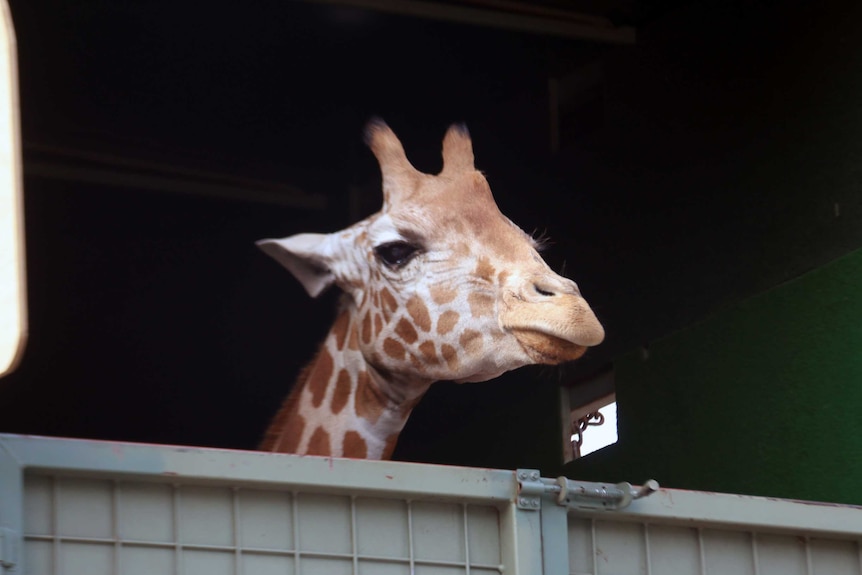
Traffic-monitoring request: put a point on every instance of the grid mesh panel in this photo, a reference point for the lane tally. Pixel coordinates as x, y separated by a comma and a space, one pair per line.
604, 547
94, 526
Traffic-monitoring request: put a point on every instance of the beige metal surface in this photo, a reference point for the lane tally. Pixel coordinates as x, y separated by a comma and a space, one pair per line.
90, 507
650, 546
75, 507
90, 526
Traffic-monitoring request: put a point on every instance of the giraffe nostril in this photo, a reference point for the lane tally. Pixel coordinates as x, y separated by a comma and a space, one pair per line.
542, 291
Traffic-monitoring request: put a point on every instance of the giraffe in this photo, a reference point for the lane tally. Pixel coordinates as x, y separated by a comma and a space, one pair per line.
437, 285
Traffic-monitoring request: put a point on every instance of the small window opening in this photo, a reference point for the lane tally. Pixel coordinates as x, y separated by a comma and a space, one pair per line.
590, 416
595, 429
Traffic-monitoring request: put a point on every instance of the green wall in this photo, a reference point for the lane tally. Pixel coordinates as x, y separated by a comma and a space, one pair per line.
763, 398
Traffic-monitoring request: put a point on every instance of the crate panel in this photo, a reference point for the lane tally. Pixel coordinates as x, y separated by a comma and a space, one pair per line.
254, 564
87, 559
781, 555
266, 519
672, 549
39, 557
325, 523
619, 548
483, 534
85, 507
836, 557
146, 512
382, 528
323, 566
728, 552
206, 515
581, 558
438, 530
146, 560
39, 505
630, 548
369, 567
198, 562
136, 527
439, 570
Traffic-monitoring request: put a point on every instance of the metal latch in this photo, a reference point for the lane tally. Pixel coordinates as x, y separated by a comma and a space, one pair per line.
577, 494
9, 543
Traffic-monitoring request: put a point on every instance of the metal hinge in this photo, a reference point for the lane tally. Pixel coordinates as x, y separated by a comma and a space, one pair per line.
577, 494
9, 547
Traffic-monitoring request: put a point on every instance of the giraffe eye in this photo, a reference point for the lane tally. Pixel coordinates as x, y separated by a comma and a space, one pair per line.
396, 254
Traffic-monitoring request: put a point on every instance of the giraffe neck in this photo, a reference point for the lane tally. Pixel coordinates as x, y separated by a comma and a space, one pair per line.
342, 405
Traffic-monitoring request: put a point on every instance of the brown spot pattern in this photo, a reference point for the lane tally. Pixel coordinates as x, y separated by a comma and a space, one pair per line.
319, 443
419, 312
369, 401
450, 354
426, 348
484, 270
342, 391
442, 294
502, 277
481, 304
378, 325
389, 303
339, 329
289, 436
393, 349
406, 331
318, 379
447, 320
366, 328
354, 446
471, 341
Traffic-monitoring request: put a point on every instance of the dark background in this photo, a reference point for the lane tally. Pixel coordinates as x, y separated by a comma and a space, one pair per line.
714, 158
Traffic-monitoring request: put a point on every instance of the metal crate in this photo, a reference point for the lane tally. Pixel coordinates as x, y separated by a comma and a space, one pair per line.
694, 533
73, 507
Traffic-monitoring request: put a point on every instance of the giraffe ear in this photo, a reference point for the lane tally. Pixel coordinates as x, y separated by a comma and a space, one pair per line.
306, 257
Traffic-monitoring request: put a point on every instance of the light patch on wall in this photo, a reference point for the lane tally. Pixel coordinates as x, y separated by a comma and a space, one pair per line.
13, 309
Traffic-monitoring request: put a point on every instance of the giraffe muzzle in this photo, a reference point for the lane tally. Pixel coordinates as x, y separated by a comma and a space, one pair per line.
554, 329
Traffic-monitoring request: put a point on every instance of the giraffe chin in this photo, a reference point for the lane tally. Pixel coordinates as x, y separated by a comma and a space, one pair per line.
547, 349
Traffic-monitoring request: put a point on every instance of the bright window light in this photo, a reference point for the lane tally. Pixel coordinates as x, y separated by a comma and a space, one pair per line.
593, 436
13, 310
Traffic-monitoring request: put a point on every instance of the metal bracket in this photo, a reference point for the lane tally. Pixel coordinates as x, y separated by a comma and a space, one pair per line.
577, 494
530, 489
9, 548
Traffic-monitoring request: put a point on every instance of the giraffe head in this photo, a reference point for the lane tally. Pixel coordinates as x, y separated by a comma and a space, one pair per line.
439, 283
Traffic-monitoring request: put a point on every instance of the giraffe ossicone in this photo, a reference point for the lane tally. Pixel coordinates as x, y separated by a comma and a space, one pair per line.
437, 285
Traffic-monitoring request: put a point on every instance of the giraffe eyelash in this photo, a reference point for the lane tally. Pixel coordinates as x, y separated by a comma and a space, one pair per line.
541, 240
